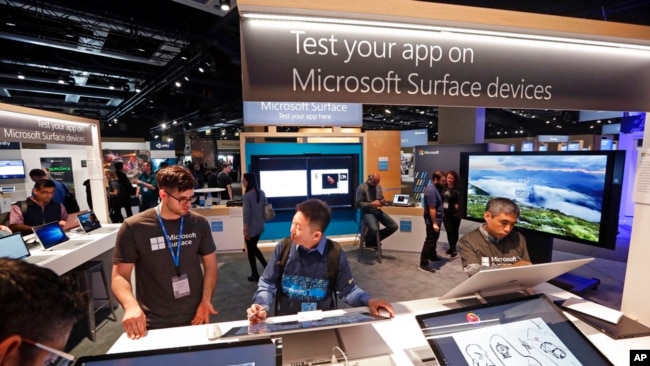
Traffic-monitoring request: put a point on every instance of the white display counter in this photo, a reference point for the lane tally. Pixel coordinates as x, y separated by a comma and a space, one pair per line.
410, 235
227, 226
400, 334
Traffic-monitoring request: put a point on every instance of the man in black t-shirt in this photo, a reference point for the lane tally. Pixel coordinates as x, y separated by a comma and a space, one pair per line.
225, 181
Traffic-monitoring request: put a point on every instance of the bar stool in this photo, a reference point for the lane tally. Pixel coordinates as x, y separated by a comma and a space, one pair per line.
362, 238
83, 275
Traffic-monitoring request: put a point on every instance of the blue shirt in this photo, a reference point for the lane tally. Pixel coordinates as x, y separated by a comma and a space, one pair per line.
305, 280
431, 198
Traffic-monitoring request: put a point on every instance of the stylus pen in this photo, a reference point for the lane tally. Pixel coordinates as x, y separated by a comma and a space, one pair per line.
255, 313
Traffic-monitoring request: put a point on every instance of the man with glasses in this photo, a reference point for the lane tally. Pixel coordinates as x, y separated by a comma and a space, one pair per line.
37, 210
39, 309
494, 244
166, 246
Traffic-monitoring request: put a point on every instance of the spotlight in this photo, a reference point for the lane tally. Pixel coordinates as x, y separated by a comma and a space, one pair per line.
71, 81
61, 80
69, 32
201, 70
178, 84
111, 86
21, 75
138, 88
224, 5
126, 87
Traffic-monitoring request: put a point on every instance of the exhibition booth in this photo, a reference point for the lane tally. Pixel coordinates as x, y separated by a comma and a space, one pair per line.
325, 55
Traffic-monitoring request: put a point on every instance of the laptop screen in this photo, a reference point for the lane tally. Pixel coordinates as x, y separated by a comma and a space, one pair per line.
13, 246
525, 331
261, 352
401, 199
50, 234
89, 221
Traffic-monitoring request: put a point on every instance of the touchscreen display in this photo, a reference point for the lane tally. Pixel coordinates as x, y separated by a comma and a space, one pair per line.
526, 331
264, 328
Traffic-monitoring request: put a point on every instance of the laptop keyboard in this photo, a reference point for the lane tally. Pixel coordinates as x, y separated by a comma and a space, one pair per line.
71, 244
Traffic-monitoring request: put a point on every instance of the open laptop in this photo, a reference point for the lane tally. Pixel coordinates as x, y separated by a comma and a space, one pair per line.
72, 222
52, 237
259, 352
90, 224
528, 330
625, 328
13, 246
501, 281
401, 200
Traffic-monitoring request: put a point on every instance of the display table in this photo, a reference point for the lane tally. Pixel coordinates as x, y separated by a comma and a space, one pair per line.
209, 190
410, 235
62, 261
400, 333
226, 224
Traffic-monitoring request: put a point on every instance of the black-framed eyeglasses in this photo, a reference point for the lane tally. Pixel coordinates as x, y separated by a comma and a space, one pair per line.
181, 200
57, 358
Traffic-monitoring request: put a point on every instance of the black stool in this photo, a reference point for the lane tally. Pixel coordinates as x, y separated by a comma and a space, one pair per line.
362, 239
83, 275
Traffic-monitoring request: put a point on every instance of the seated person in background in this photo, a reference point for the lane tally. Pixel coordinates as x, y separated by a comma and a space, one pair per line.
370, 199
303, 283
59, 188
37, 210
494, 243
38, 308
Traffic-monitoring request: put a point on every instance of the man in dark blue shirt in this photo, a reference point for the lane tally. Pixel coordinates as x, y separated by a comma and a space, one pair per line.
433, 212
303, 284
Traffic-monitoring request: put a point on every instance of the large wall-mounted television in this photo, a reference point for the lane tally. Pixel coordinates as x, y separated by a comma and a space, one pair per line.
290, 179
12, 169
568, 195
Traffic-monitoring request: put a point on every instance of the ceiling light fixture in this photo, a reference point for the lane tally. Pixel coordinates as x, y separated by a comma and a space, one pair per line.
201, 70
111, 86
138, 88
61, 80
178, 84
21, 75
224, 5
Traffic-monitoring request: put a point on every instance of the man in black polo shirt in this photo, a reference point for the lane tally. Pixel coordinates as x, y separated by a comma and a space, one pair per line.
38, 209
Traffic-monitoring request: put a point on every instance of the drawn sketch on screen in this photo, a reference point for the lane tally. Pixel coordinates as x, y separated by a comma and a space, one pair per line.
528, 330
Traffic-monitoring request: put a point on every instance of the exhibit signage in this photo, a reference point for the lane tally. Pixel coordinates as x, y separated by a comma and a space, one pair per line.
296, 61
18, 127
160, 145
303, 113
412, 138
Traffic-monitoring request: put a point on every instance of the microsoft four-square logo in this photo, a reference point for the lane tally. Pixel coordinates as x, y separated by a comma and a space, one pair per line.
157, 243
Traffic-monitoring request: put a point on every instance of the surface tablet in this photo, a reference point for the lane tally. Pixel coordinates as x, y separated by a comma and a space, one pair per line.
528, 330
625, 328
512, 279
272, 328
260, 352
50, 234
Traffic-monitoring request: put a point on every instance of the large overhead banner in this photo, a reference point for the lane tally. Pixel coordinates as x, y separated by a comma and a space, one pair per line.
18, 127
323, 62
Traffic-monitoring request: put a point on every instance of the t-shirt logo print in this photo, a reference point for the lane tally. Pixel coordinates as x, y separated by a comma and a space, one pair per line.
157, 243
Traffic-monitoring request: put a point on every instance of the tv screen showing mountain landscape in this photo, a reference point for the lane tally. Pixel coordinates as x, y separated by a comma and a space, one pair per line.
558, 193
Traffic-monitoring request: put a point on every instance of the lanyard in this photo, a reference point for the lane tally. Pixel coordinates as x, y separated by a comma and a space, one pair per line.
175, 256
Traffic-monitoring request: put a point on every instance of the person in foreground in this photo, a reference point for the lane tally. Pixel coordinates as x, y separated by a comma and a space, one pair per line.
494, 243
303, 283
39, 309
171, 289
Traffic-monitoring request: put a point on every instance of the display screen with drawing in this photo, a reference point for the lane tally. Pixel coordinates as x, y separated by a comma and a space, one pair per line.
529, 330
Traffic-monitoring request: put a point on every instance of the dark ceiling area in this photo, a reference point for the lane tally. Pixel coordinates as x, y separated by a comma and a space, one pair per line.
135, 65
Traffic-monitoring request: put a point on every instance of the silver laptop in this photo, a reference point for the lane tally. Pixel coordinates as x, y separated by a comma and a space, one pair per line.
401, 200
491, 282
52, 237
13, 246
90, 224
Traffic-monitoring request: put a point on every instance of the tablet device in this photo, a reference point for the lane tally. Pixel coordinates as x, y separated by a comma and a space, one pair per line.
260, 352
400, 200
501, 281
275, 328
528, 330
625, 328
90, 224
50, 234
71, 222
14, 246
